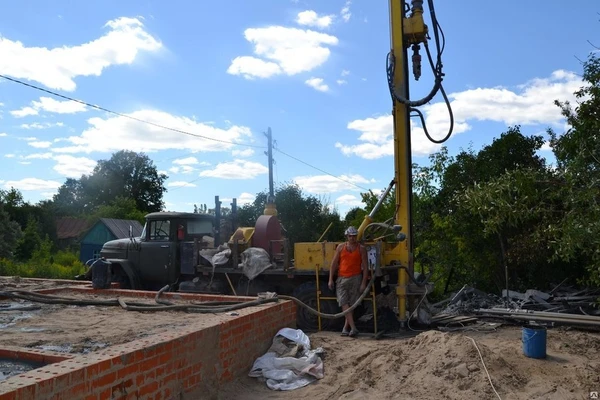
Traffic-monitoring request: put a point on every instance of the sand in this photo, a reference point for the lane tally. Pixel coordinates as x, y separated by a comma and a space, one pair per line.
438, 365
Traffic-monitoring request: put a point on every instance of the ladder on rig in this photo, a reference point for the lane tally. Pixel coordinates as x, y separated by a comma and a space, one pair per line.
371, 298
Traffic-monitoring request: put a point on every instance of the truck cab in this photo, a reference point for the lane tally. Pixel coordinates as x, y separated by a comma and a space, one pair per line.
163, 253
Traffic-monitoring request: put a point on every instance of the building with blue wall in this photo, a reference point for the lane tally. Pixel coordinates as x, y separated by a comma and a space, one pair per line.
104, 230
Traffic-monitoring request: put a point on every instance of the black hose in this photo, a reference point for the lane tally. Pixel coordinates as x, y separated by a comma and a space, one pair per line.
331, 316
208, 307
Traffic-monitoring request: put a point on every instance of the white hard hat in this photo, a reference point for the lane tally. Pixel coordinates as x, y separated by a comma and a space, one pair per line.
351, 231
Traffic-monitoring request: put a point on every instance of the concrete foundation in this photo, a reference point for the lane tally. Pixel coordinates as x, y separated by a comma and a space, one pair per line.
190, 362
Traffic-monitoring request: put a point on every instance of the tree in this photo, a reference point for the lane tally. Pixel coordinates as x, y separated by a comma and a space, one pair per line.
449, 227
125, 175
119, 208
70, 199
576, 236
304, 218
30, 241
9, 235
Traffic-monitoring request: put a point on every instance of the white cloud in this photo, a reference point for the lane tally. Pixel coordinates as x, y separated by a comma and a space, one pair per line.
349, 200
327, 184
184, 169
311, 18
51, 105
73, 167
245, 198
283, 50
531, 104
32, 184
37, 156
242, 153
377, 139
56, 68
252, 67
9, 155
25, 162
3, 134
181, 184
546, 146
345, 72
23, 112
40, 145
317, 84
45, 125
237, 169
121, 133
341, 82
186, 161
345, 13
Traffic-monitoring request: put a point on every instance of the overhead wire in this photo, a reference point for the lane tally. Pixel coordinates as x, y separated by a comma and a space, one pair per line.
97, 107
126, 115
320, 170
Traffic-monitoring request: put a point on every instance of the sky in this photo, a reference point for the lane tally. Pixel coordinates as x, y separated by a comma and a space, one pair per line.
225, 72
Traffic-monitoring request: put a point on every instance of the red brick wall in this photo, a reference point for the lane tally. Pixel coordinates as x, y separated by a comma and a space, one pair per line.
190, 363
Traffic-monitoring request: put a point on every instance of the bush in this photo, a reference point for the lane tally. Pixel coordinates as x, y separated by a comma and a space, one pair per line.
43, 264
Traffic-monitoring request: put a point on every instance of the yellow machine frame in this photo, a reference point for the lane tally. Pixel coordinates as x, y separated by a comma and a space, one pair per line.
405, 31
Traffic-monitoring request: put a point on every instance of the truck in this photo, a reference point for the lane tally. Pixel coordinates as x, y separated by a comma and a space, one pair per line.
183, 250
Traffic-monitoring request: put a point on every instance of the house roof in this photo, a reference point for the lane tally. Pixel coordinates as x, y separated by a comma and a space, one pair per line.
69, 227
120, 227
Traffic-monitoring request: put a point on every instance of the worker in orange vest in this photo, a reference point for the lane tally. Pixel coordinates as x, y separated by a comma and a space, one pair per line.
350, 263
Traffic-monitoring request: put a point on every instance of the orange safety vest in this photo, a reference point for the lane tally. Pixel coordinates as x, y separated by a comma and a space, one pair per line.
350, 262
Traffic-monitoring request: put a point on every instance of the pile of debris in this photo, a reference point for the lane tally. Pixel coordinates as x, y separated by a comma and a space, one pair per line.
562, 305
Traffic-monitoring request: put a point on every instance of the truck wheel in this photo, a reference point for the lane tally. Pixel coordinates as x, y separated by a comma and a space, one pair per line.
120, 277
307, 293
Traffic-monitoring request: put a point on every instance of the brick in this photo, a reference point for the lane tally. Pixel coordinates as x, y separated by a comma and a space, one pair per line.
148, 389
103, 381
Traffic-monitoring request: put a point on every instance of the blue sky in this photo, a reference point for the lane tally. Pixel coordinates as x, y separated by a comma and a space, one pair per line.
313, 71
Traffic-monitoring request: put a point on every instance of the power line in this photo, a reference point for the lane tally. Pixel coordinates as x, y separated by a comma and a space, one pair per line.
168, 128
319, 169
124, 115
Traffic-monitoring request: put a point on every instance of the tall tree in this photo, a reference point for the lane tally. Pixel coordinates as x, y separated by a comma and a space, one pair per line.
9, 235
577, 234
125, 175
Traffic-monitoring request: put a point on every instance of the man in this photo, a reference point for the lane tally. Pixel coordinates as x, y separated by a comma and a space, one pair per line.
350, 263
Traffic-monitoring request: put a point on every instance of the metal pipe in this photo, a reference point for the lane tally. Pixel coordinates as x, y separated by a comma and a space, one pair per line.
549, 317
381, 199
496, 310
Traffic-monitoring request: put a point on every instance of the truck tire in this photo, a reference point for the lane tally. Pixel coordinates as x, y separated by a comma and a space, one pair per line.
307, 293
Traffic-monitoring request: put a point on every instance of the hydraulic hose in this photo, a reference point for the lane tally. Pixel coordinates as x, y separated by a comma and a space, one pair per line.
206, 308
331, 316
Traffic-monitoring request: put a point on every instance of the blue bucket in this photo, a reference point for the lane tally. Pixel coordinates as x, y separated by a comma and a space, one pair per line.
534, 341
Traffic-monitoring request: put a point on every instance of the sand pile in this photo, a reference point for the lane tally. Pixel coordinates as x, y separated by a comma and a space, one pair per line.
437, 365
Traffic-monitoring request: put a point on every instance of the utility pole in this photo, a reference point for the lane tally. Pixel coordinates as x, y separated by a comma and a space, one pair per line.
270, 208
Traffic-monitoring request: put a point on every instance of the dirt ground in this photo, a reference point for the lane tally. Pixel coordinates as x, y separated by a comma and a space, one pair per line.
428, 365
81, 329
443, 365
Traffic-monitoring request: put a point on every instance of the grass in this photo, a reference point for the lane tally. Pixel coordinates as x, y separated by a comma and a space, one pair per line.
61, 265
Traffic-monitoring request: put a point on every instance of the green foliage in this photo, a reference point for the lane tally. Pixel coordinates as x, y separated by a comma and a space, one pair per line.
10, 234
126, 175
30, 241
61, 265
304, 218
119, 208
576, 235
